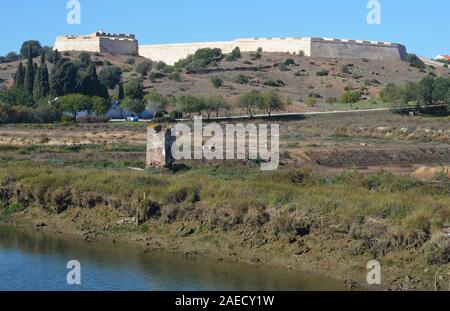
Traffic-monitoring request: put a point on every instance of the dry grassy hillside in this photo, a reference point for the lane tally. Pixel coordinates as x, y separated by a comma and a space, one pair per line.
295, 81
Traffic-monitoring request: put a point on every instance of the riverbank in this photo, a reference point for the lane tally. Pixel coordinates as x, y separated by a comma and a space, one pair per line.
330, 225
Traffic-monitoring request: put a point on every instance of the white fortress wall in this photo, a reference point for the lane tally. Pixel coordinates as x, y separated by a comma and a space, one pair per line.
341, 48
171, 53
273, 45
75, 43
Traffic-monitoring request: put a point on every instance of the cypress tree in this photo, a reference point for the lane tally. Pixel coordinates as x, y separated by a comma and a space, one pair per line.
45, 83
120, 92
63, 79
56, 57
91, 85
29, 74
19, 77
37, 85
41, 84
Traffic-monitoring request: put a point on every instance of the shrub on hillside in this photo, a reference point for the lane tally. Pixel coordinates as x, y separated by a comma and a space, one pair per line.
351, 97
322, 73
217, 82
234, 55
310, 102
242, 79
143, 68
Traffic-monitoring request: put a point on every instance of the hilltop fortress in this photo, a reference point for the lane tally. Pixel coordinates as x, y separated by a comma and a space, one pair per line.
103, 42
100, 42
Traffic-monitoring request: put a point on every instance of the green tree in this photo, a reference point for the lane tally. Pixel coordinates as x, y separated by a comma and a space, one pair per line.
31, 47
426, 90
189, 104
250, 102
19, 77
272, 102
100, 105
110, 76
392, 93
63, 79
156, 102
441, 88
351, 97
16, 96
411, 93
41, 85
134, 89
90, 84
120, 91
215, 104
29, 73
75, 103
135, 105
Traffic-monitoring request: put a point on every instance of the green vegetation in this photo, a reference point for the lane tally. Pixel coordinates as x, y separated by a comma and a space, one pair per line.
351, 97
144, 67
234, 55
110, 76
75, 103
286, 205
134, 89
267, 102
31, 47
429, 91
217, 81
135, 105
322, 73
200, 60
310, 102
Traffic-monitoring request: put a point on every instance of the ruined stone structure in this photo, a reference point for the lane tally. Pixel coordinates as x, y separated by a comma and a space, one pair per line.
100, 42
170, 53
159, 148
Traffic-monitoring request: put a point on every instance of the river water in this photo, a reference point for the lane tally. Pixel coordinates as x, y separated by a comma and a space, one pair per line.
32, 260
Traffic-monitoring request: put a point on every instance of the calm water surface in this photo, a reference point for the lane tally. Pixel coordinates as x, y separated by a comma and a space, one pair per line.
32, 260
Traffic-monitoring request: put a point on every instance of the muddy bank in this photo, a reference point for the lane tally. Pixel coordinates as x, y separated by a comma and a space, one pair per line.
326, 252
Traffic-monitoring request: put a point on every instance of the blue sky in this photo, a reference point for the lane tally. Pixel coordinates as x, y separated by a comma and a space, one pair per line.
423, 26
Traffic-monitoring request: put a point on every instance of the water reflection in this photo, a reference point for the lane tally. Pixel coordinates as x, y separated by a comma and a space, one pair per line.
31, 260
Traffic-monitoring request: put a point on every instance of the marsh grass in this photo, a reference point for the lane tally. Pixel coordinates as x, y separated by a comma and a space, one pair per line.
339, 198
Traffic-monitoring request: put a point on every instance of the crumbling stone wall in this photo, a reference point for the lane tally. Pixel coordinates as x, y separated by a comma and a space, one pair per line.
159, 147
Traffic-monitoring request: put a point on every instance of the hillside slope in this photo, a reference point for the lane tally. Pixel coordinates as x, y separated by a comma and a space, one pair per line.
296, 79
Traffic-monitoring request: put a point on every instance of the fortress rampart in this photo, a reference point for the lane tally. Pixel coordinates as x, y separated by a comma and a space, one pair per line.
170, 53
100, 42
